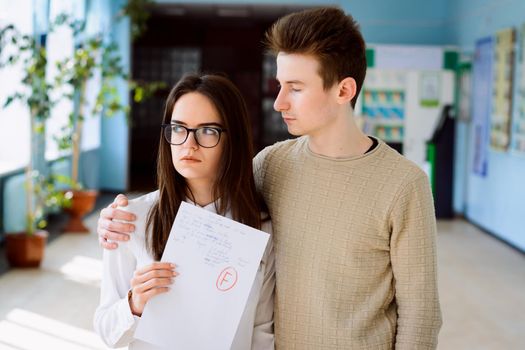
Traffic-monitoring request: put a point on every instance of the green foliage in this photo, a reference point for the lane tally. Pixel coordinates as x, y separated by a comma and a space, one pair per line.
17, 48
33, 57
143, 90
46, 198
93, 54
137, 11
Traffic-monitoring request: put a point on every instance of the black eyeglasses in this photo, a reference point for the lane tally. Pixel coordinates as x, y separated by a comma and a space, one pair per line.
206, 136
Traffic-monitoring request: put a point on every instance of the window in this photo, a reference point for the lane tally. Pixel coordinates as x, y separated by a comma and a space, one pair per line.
14, 120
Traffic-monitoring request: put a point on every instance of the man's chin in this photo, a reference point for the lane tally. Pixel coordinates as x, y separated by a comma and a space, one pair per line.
294, 131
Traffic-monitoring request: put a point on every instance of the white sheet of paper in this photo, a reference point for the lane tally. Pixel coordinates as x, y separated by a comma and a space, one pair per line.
217, 259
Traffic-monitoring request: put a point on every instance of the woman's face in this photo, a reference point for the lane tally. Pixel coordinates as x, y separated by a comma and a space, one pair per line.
197, 164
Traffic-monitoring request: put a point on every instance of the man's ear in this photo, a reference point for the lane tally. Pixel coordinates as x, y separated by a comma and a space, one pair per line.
346, 90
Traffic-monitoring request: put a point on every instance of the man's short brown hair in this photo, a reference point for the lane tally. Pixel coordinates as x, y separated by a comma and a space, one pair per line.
329, 35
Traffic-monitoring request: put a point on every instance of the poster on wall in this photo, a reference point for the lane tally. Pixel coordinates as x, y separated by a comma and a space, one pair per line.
464, 91
518, 128
429, 89
383, 104
503, 89
481, 109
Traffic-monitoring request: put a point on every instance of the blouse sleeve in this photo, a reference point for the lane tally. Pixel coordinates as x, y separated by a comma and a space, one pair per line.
113, 321
263, 336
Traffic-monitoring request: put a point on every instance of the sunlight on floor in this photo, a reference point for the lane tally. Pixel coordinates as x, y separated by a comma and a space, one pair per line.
22, 329
84, 270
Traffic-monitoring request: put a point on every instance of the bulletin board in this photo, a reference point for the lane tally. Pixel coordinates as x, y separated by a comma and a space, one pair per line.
518, 137
482, 70
503, 89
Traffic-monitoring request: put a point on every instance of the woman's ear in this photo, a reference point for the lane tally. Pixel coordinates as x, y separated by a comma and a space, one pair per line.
346, 90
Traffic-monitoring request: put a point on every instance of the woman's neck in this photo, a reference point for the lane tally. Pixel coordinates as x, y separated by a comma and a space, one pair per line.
201, 192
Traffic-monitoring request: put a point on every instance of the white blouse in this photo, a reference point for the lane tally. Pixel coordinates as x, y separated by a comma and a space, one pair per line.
114, 321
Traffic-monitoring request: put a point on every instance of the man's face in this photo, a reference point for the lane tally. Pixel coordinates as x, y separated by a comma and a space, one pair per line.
307, 109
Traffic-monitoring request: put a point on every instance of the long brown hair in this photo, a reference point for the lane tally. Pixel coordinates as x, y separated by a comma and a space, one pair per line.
234, 184
328, 34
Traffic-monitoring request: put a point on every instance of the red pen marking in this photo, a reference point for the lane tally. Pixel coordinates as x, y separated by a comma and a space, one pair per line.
227, 279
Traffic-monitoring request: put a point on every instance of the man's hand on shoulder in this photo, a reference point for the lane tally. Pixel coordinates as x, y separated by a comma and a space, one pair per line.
110, 230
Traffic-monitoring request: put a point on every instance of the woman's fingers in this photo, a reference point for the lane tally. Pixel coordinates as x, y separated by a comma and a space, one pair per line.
153, 271
155, 266
158, 274
109, 231
153, 283
111, 213
121, 200
149, 281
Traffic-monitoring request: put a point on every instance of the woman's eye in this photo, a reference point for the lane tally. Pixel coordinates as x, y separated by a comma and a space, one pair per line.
209, 131
178, 129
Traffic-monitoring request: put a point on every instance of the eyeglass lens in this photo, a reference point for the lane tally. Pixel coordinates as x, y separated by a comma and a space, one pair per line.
205, 136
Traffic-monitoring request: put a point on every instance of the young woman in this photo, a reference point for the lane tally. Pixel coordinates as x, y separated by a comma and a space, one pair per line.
205, 158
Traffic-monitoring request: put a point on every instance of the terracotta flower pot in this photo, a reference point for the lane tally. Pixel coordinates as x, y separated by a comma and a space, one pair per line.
82, 202
25, 250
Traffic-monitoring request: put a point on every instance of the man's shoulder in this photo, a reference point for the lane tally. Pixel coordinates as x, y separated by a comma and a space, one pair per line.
401, 162
280, 148
396, 165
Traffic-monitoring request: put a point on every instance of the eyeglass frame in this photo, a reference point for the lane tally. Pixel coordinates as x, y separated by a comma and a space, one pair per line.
194, 131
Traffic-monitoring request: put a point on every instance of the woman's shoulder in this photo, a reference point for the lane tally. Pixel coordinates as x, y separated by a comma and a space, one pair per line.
141, 205
148, 198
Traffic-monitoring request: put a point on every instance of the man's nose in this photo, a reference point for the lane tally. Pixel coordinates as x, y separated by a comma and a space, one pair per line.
281, 103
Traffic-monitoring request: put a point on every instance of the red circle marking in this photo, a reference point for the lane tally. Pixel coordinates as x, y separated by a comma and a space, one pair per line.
226, 279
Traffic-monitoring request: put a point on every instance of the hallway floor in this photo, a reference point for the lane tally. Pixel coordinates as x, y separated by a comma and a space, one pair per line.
482, 290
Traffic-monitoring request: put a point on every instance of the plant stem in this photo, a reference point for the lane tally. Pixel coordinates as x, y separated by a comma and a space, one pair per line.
77, 135
29, 177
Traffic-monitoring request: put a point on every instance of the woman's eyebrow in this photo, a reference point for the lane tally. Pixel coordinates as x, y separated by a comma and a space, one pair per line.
198, 125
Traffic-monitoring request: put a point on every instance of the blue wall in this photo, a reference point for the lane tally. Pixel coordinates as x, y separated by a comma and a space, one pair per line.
114, 149
494, 202
470, 20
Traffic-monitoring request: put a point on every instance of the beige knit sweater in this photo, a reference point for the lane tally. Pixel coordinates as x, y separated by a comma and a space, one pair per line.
355, 249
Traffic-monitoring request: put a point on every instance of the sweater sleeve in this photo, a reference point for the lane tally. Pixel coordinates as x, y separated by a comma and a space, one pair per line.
113, 320
263, 334
414, 265
259, 168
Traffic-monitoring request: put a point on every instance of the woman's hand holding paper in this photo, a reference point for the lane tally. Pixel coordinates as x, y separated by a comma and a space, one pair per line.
149, 281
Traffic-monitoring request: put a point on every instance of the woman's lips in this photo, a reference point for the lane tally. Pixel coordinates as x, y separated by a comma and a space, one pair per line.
189, 159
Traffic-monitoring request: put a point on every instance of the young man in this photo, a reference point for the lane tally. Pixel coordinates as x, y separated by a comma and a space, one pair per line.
354, 224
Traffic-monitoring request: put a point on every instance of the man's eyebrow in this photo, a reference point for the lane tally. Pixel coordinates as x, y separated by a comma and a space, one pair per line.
293, 82
173, 121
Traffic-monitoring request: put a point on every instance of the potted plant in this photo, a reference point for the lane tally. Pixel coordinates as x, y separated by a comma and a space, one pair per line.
91, 55
26, 249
